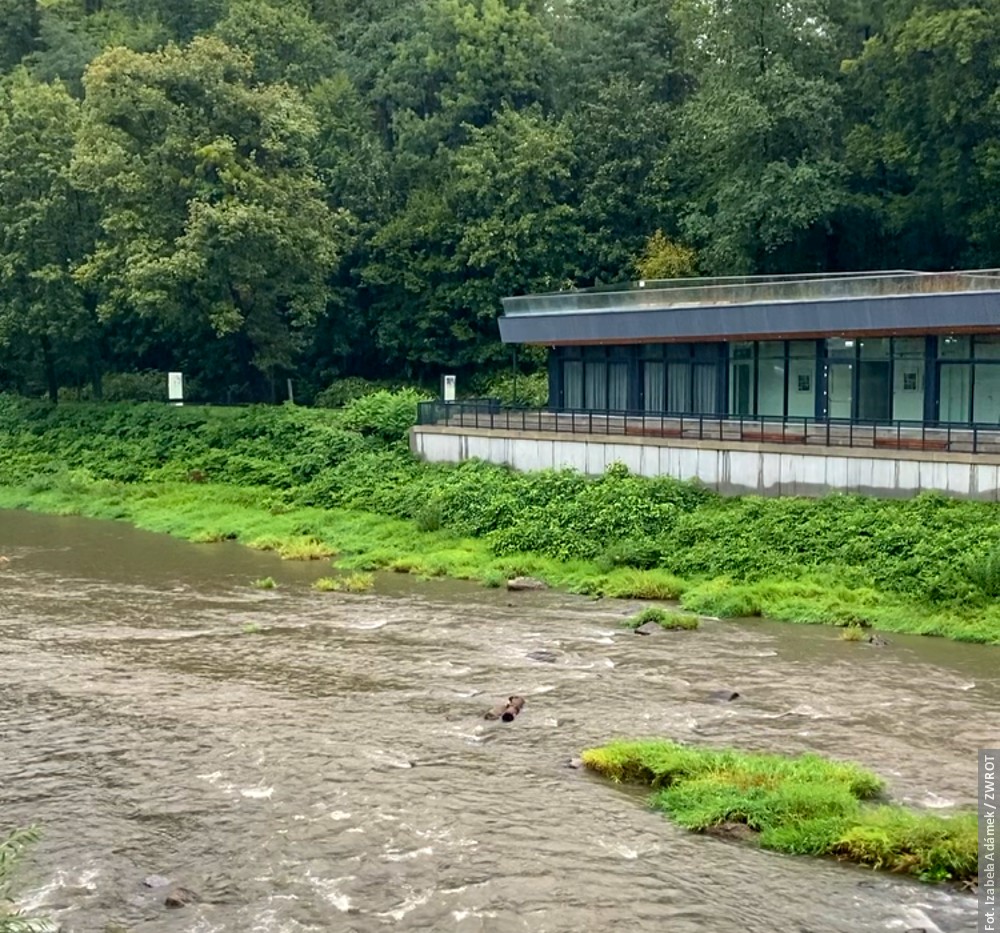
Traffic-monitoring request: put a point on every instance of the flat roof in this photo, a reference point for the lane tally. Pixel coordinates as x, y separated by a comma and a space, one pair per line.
759, 307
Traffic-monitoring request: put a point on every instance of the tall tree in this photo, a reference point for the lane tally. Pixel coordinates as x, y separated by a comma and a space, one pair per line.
212, 213
46, 230
754, 161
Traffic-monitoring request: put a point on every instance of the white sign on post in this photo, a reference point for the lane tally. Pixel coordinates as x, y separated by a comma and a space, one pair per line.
175, 388
448, 388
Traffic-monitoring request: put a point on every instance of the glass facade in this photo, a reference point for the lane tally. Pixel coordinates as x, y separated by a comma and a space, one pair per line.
952, 379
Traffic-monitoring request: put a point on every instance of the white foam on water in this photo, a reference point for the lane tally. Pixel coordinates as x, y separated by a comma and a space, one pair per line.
257, 793
394, 855
339, 815
328, 890
411, 903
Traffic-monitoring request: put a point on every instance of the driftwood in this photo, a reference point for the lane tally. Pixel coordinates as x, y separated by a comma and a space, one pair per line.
506, 711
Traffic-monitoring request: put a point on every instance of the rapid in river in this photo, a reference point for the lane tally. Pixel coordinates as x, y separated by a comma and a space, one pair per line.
319, 761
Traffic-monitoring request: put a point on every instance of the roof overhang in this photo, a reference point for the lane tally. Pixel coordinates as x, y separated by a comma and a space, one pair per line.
939, 312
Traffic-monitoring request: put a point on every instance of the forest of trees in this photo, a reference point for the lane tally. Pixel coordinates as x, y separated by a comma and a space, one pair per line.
253, 189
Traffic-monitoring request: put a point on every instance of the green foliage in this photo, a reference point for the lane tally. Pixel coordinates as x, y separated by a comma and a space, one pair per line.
352, 583
664, 259
386, 415
265, 583
899, 566
672, 621
11, 848
804, 805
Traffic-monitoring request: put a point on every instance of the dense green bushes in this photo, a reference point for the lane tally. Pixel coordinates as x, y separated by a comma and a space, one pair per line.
841, 559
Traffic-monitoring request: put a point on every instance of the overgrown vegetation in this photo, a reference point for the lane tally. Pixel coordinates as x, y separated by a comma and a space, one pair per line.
313, 483
265, 583
12, 920
804, 805
666, 618
351, 583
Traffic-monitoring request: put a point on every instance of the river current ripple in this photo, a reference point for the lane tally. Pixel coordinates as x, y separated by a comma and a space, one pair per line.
313, 761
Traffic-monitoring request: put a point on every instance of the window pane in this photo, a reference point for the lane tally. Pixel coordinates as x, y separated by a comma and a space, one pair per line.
840, 390
908, 389
986, 409
802, 348
802, 387
743, 350
572, 384
908, 347
618, 386
772, 348
874, 390
654, 386
596, 385
987, 348
705, 381
679, 387
955, 390
741, 387
678, 351
842, 348
875, 348
771, 387
955, 348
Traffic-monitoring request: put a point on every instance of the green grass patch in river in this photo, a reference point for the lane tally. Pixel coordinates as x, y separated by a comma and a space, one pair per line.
805, 805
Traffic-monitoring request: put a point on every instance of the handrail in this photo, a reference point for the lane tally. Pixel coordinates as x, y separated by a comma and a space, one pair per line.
825, 432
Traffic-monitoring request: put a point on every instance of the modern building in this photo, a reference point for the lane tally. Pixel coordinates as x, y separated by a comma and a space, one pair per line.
887, 347
885, 383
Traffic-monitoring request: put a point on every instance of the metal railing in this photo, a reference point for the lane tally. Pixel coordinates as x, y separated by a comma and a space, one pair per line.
488, 414
652, 295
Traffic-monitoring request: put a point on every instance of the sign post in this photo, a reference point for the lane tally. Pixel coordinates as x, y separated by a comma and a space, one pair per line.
448, 388
175, 388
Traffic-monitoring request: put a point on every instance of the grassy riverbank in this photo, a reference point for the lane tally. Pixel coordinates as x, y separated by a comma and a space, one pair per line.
342, 485
803, 806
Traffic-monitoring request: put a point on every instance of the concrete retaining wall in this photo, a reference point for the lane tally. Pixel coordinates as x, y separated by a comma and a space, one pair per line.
729, 467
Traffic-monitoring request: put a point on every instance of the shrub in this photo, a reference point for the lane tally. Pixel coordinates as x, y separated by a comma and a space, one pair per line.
388, 415
672, 621
265, 583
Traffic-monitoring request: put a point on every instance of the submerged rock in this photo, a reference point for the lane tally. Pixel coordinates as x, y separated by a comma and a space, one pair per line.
650, 628
723, 696
526, 583
877, 641
155, 881
546, 657
180, 897
575, 763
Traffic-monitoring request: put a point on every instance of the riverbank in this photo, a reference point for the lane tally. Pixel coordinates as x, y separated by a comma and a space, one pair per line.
341, 485
802, 805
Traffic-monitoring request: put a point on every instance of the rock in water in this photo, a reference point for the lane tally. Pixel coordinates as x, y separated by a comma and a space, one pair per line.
650, 628
546, 657
723, 696
877, 641
155, 881
526, 583
179, 897
575, 763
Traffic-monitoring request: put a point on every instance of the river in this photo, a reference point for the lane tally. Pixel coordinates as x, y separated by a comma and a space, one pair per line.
332, 770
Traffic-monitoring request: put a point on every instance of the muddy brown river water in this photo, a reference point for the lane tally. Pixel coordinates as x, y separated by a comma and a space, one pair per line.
332, 771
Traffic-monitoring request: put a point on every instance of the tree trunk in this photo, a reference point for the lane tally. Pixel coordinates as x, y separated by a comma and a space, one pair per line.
50, 369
